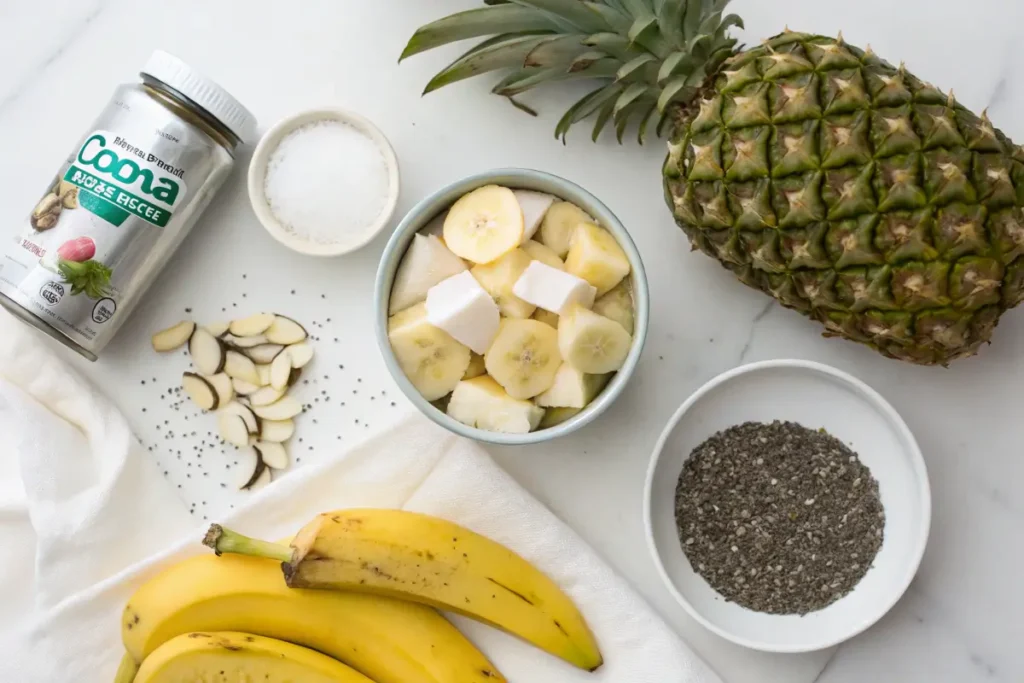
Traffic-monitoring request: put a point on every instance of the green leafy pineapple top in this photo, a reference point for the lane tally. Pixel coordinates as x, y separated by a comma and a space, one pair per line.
644, 54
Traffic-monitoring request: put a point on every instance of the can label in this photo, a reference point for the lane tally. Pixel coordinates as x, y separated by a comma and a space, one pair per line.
104, 213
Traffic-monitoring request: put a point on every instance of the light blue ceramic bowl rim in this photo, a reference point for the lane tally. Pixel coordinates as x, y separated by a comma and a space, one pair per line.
517, 178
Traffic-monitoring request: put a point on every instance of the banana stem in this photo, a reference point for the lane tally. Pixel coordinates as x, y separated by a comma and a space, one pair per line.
227, 541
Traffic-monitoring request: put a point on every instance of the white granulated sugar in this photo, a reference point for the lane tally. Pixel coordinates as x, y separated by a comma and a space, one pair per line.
327, 182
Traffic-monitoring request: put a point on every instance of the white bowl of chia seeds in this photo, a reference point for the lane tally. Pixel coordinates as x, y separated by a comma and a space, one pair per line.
787, 506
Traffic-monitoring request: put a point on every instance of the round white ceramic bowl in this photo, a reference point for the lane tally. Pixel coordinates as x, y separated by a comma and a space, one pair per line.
527, 179
258, 172
813, 395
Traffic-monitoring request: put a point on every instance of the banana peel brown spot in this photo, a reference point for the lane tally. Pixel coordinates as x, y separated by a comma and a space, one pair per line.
513, 592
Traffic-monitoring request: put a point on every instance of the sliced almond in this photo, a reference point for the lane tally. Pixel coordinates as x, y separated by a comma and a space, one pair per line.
217, 329
301, 354
174, 336
264, 353
273, 454
221, 383
284, 408
252, 423
253, 325
285, 331
243, 388
241, 367
208, 352
245, 342
280, 370
276, 431
260, 476
199, 390
263, 370
265, 396
232, 428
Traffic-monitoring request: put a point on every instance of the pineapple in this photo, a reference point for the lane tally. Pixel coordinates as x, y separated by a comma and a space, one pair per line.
843, 186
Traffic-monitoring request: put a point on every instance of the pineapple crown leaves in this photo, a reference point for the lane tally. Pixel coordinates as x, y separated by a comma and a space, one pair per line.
644, 54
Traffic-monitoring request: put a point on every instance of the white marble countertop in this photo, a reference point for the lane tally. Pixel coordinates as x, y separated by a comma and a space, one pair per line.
960, 620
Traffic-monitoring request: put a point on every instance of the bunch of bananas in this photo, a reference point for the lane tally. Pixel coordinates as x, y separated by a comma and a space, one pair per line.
351, 600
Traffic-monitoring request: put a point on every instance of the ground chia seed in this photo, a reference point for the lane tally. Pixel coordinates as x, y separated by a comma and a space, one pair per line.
777, 517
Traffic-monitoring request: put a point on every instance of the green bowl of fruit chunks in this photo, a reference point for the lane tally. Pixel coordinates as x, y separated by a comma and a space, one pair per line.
511, 306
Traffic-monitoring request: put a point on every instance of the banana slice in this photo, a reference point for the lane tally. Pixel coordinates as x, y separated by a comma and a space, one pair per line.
595, 256
484, 224
482, 403
544, 254
429, 357
592, 343
498, 279
617, 305
572, 389
524, 357
476, 367
559, 224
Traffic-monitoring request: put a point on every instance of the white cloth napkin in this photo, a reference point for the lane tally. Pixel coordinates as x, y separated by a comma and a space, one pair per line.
84, 518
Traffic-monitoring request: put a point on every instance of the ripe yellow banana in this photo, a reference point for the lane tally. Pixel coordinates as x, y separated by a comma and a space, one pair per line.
201, 656
431, 561
390, 641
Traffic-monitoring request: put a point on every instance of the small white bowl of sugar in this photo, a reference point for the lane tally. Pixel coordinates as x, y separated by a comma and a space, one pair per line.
324, 182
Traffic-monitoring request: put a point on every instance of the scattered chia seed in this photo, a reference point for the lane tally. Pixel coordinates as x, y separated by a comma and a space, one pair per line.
778, 518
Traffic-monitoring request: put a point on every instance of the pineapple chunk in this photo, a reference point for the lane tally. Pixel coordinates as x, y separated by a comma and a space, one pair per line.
617, 305
559, 225
539, 252
556, 416
476, 366
546, 317
499, 277
482, 403
572, 388
595, 256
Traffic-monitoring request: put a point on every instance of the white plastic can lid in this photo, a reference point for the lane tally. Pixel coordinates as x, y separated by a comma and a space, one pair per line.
217, 101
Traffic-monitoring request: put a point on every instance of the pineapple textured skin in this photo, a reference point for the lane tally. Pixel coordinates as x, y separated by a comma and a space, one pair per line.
855, 193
